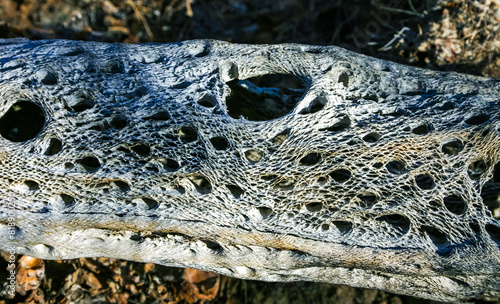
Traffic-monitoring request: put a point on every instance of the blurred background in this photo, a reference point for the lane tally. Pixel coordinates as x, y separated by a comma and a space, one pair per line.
461, 35
455, 35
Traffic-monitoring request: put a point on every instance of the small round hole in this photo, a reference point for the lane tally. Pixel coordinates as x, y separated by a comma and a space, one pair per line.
340, 175
253, 155
344, 79
477, 119
32, 185
343, 226
314, 207
46, 76
90, 163
285, 184
188, 134
23, 121
216, 247
80, 101
422, 129
452, 147
219, 143
68, 200
395, 167
151, 203
123, 186
119, 123
161, 115
207, 101
201, 184
141, 149
424, 181
493, 231
397, 221
265, 212
371, 137
438, 238
316, 105
170, 164
477, 169
455, 204
55, 146
281, 137
236, 191
310, 159
340, 125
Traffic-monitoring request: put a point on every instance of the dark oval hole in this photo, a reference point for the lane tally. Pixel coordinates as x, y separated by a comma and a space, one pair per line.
213, 246
170, 164
395, 167
153, 169
235, 190
47, 77
253, 155
89, 163
310, 159
340, 125
180, 189
325, 227
285, 184
396, 220
455, 204
422, 129
316, 105
371, 137
281, 137
438, 238
344, 79
219, 143
424, 181
477, 119
265, 212
162, 115
23, 121
141, 149
207, 101
80, 101
368, 198
493, 231
477, 169
264, 97
201, 184
475, 227
314, 207
340, 175
113, 66
452, 147
32, 185
152, 204
269, 177
119, 123
188, 134
123, 186
343, 226
68, 200
136, 237
55, 146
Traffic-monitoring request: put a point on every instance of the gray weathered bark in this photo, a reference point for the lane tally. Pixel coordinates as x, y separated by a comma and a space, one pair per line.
348, 170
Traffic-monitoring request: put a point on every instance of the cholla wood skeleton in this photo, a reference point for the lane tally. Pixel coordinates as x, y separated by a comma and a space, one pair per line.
366, 172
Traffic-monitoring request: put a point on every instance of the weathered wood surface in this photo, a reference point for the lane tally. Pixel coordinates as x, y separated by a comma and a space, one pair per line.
362, 172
